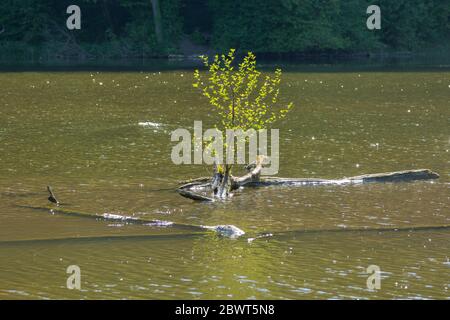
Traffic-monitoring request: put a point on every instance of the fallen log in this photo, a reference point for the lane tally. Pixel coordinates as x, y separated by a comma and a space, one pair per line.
396, 176
406, 175
253, 179
194, 196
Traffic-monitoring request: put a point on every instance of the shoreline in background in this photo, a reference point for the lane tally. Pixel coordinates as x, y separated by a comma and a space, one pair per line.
395, 61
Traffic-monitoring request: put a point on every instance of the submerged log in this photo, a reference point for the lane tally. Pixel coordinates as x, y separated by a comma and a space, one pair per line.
194, 196
253, 179
225, 230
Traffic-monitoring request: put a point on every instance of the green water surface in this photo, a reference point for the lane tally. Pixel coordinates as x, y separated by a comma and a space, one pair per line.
102, 140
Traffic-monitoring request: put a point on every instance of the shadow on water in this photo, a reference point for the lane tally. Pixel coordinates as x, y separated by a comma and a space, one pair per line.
162, 237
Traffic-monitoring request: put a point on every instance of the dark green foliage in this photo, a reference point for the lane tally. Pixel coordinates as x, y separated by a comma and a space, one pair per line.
323, 25
109, 28
415, 23
125, 28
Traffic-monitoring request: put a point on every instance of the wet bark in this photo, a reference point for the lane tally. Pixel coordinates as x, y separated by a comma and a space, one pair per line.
254, 179
221, 184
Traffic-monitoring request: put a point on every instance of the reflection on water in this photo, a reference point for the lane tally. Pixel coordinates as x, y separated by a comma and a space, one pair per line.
102, 140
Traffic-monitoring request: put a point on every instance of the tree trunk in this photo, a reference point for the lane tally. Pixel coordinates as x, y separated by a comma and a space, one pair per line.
107, 15
251, 177
223, 184
157, 20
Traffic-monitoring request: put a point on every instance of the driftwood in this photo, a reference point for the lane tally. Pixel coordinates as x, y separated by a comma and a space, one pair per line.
253, 179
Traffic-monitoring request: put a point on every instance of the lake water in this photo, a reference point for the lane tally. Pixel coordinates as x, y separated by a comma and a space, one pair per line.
102, 140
